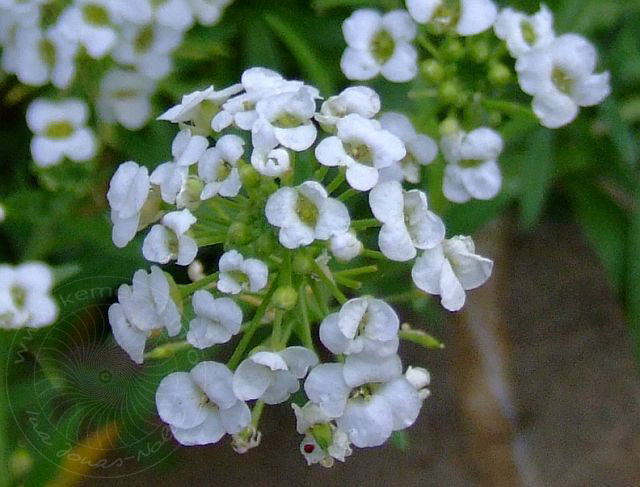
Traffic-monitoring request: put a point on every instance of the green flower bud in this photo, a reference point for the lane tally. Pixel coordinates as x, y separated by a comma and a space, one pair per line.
432, 71
248, 175
480, 51
499, 74
239, 233
20, 462
450, 93
453, 49
323, 435
302, 264
265, 244
449, 126
285, 298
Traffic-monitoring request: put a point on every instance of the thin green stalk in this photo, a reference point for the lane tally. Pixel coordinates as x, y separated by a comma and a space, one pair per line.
319, 299
187, 289
253, 326
428, 46
373, 254
256, 413
348, 194
320, 174
341, 298
305, 324
508, 107
346, 282
276, 330
338, 180
365, 223
210, 240
167, 350
4, 417
367, 269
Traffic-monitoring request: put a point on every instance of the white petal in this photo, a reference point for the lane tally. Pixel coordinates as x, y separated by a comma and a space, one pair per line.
282, 386
403, 64
298, 360
395, 242
210, 431
236, 418
368, 422
362, 369
131, 339
427, 270
215, 380
179, 401
331, 336
358, 64
482, 182
361, 177
476, 16
404, 401
251, 380
326, 387
451, 291
387, 202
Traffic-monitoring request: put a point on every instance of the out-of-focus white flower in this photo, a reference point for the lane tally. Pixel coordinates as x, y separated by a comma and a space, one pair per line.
363, 147
200, 406
238, 274
421, 149
379, 44
407, 222
60, 131
273, 163
128, 191
524, 32
45, 55
25, 296
272, 376
168, 240
147, 48
306, 213
3, 213
561, 79
216, 321
355, 99
125, 97
345, 246
143, 307
91, 23
451, 268
469, 16
217, 167
175, 14
368, 415
472, 170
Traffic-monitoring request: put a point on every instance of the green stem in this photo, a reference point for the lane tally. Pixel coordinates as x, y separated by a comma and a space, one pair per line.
287, 331
305, 324
253, 326
341, 298
320, 174
338, 180
348, 194
205, 240
276, 331
187, 289
373, 254
167, 350
367, 269
428, 46
346, 282
4, 417
365, 223
319, 299
509, 108
256, 413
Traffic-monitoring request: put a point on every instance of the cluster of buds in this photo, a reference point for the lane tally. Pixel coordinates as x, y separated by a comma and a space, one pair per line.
262, 174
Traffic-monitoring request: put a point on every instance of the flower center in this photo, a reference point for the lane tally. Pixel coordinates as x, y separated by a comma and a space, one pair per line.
19, 296
528, 32
95, 14
240, 277
382, 46
447, 13
287, 121
47, 52
61, 129
469, 163
143, 40
125, 93
223, 171
562, 80
306, 210
360, 152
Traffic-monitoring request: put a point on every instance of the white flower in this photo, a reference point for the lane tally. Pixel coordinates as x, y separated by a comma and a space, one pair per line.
238, 274
25, 296
470, 16
125, 97
355, 99
168, 241
561, 78
197, 109
363, 147
217, 167
472, 170
285, 119
187, 149
175, 14
91, 23
143, 307
147, 48
60, 131
524, 32
379, 44
216, 321
368, 415
200, 406
208, 12
273, 163
421, 149
345, 246
306, 213
128, 192
323, 442
272, 376
419, 378
407, 222
170, 178
449, 269
45, 55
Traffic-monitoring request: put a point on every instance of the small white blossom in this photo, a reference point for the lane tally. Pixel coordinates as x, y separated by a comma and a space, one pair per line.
128, 192
451, 268
91, 23
561, 79
170, 178
272, 376
168, 240
379, 44
175, 14
238, 274
216, 321
125, 97
306, 213
524, 32
60, 131
355, 99
143, 307
187, 149
273, 163
208, 12
217, 168
25, 296
363, 147
419, 378
407, 222
472, 170
470, 16
200, 406
147, 48
421, 149
345, 246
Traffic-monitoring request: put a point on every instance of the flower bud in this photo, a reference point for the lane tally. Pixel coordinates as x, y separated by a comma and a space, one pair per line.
239, 233
302, 264
285, 298
322, 434
453, 49
248, 175
432, 71
418, 377
499, 74
449, 126
20, 463
480, 51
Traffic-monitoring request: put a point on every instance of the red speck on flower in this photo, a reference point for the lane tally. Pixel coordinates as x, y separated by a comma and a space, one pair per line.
308, 448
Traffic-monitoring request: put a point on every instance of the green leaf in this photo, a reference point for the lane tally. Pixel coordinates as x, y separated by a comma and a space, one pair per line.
536, 176
306, 56
633, 277
619, 131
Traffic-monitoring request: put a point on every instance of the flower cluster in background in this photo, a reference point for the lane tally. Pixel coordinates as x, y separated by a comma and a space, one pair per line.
270, 174
56, 42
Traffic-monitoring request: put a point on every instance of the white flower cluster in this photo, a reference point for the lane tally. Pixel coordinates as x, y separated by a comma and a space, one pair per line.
140, 37
559, 72
25, 296
248, 172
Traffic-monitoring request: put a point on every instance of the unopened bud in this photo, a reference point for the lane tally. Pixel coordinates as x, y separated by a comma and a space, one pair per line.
285, 298
432, 70
499, 74
249, 176
239, 233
